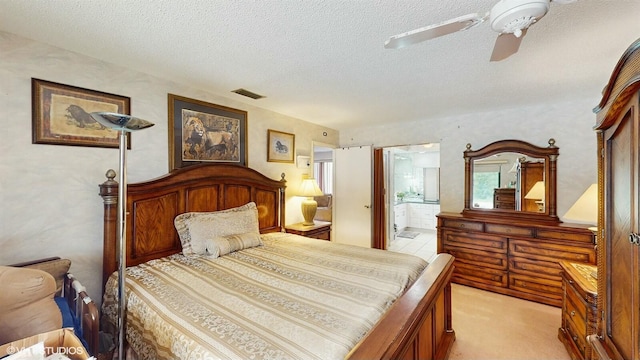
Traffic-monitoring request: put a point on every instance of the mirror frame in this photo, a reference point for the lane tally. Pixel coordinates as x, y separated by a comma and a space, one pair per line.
550, 156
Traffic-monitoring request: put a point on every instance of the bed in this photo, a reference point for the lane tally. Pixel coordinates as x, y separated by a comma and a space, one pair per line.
410, 321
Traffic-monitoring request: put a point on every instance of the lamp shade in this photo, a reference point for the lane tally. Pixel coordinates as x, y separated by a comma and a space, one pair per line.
309, 187
585, 209
120, 122
536, 192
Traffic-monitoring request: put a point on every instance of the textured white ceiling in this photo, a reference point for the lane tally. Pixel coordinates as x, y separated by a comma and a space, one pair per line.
324, 61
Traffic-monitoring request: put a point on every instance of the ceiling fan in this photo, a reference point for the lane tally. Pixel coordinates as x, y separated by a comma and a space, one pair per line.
510, 18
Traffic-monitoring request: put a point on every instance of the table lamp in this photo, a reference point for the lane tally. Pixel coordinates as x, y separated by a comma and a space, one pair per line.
309, 188
585, 209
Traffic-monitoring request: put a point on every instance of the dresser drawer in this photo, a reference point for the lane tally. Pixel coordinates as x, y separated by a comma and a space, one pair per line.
504, 198
463, 225
579, 340
478, 258
582, 237
549, 269
509, 230
576, 310
536, 285
550, 252
475, 241
504, 205
578, 314
472, 275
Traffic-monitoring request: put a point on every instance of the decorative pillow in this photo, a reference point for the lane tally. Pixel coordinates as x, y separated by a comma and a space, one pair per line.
227, 244
197, 228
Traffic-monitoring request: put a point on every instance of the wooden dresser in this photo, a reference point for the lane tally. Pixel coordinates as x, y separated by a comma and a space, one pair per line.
504, 198
510, 257
618, 134
578, 308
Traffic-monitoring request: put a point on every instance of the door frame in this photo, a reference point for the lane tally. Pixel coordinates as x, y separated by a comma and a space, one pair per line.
379, 240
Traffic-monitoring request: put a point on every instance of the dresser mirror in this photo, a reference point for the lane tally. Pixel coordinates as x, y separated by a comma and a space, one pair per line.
511, 178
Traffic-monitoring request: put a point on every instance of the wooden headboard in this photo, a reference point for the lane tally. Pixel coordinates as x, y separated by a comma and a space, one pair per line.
152, 205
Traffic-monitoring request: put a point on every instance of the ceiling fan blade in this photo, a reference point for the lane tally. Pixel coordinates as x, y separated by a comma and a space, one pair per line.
433, 31
506, 45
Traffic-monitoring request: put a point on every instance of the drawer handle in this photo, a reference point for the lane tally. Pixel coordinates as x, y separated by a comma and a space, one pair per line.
634, 238
575, 338
573, 313
461, 225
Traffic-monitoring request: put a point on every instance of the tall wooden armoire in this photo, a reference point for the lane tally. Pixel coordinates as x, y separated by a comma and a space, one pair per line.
618, 131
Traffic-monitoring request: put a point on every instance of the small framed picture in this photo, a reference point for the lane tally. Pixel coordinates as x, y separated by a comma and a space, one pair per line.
61, 115
202, 132
280, 146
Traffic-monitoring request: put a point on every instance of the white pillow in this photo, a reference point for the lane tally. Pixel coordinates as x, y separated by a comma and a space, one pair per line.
196, 229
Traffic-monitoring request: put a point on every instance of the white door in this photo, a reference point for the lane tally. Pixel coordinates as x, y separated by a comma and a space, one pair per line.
352, 196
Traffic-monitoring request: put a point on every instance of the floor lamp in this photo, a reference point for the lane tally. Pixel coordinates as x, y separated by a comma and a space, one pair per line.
123, 124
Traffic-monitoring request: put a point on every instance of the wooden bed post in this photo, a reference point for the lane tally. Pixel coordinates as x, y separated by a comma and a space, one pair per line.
109, 194
281, 202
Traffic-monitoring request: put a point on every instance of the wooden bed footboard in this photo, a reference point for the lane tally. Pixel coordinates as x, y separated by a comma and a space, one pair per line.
418, 325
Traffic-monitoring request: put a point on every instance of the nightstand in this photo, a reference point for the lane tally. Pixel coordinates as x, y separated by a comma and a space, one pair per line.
579, 311
320, 230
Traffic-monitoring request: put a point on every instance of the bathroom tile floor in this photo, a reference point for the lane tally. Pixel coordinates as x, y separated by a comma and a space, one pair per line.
423, 245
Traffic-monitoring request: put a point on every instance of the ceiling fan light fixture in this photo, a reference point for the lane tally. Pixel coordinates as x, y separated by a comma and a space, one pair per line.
507, 16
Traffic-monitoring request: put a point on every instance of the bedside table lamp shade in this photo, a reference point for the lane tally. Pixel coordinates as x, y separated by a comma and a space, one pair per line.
123, 124
309, 188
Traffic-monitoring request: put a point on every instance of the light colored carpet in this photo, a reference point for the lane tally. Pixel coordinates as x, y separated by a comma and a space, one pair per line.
493, 327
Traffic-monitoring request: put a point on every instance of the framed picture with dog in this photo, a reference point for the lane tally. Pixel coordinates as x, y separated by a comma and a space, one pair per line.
280, 146
61, 115
203, 132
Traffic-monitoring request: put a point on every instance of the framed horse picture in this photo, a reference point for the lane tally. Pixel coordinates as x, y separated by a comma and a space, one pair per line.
280, 146
203, 132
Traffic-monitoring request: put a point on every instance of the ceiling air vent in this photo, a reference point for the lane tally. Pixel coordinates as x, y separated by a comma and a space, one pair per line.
248, 93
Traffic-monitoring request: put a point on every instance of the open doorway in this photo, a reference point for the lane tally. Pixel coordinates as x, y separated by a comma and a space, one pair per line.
412, 201
322, 161
322, 170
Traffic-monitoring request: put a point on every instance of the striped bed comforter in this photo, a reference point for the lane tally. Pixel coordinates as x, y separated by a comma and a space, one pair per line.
292, 298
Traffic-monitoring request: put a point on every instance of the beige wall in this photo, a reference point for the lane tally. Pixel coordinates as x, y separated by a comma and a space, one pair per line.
49, 193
